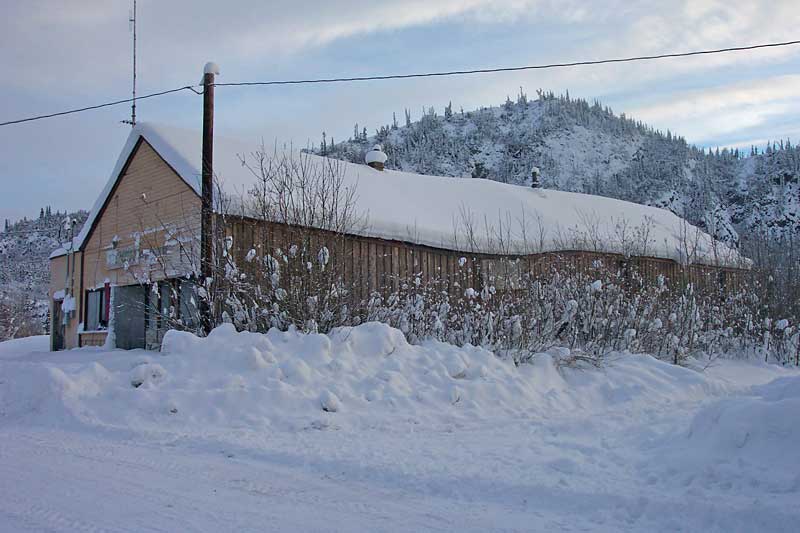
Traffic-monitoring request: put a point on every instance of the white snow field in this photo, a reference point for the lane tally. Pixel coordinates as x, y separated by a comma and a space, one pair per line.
360, 431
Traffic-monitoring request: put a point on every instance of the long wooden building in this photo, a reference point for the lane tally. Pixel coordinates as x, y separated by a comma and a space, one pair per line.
135, 260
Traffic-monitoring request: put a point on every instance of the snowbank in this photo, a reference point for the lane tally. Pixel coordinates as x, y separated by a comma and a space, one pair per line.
755, 428
366, 376
362, 420
741, 443
15, 347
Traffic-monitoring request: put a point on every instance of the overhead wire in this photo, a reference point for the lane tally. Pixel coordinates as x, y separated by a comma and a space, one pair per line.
310, 81
98, 106
509, 69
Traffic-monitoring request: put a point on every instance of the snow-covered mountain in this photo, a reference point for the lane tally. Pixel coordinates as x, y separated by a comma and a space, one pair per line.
25, 271
585, 147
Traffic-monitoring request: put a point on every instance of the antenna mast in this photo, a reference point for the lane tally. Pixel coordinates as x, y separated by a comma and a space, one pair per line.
132, 21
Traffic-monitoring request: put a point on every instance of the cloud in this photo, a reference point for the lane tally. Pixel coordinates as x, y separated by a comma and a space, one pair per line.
52, 44
64, 53
704, 114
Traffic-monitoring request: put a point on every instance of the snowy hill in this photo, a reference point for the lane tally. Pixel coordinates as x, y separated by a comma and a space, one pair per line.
585, 147
25, 271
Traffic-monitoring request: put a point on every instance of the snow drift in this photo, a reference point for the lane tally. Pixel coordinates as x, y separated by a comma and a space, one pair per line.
740, 443
364, 376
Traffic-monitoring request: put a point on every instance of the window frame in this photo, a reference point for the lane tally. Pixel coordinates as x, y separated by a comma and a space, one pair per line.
100, 321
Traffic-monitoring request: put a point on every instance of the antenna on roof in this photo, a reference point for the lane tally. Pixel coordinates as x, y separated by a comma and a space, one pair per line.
132, 27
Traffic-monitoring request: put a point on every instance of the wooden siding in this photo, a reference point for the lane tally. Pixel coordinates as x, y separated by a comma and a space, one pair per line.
148, 200
94, 338
377, 265
58, 282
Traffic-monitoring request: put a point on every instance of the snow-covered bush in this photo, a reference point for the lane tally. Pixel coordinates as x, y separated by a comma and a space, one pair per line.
288, 278
592, 312
597, 313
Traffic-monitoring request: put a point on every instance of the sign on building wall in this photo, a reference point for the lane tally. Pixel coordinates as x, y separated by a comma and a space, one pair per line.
129, 256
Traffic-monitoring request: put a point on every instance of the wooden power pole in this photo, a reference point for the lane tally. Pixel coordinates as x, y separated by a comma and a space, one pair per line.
207, 210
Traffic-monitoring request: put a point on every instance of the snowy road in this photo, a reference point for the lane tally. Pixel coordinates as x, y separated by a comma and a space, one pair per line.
56, 481
546, 478
68, 482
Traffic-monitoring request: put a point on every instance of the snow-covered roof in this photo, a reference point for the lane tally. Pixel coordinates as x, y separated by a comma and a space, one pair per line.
437, 211
64, 248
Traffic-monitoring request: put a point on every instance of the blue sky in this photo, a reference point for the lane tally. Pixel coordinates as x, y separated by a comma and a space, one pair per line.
65, 53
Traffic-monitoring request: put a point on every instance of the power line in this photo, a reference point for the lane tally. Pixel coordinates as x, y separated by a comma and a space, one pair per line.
98, 106
418, 75
510, 69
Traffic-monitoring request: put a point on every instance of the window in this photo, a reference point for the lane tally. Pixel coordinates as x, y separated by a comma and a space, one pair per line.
96, 310
189, 313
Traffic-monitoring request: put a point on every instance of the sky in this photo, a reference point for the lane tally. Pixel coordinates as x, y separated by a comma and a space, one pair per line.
61, 54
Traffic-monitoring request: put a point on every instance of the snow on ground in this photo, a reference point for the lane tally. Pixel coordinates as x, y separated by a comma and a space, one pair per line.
361, 431
26, 345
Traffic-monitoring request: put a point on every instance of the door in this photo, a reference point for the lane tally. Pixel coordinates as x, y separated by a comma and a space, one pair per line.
57, 325
130, 308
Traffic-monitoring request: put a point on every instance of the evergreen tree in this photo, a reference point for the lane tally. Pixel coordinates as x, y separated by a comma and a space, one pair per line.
522, 98
617, 156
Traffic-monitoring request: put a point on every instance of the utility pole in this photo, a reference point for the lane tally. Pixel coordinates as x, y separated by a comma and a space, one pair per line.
207, 196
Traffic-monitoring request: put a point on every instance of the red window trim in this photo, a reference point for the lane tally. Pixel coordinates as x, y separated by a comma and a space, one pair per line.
107, 295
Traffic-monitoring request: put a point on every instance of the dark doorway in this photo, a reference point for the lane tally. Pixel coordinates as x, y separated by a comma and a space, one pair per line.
57, 325
130, 307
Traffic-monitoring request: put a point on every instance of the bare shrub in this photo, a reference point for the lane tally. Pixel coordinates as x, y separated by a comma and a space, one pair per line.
295, 278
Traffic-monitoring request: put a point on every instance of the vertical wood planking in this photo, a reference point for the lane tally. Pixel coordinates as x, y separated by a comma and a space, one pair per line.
395, 268
373, 271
